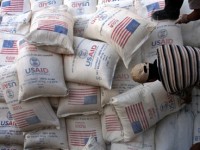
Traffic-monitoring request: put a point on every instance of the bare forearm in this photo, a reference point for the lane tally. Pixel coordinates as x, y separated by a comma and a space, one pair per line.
195, 15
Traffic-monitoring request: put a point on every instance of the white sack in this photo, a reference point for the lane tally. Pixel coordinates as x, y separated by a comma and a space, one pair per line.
196, 136
15, 7
9, 132
165, 133
52, 29
185, 130
35, 114
121, 28
16, 24
92, 144
82, 99
100, 2
195, 103
80, 128
42, 4
127, 4
143, 106
175, 131
81, 7
94, 63
111, 126
8, 48
1, 95
122, 82
40, 73
47, 138
144, 141
166, 32
145, 8
191, 30
80, 23
11, 147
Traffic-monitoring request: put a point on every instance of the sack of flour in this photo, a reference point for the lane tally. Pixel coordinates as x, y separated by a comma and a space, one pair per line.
100, 2
145, 8
15, 6
143, 106
81, 7
8, 48
172, 128
11, 147
80, 128
144, 141
9, 132
195, 103
1, 95
41, 74
111, 125
31, 115
80, 23
16, 24
196, 132
82, 99
166, 32
42, 4
122, 82
122, 29
47, 138
185, 129
52, 29
127, 4
92, 144
94, 63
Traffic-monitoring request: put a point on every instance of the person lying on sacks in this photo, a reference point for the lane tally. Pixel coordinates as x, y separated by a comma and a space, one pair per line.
177, 67
172, 11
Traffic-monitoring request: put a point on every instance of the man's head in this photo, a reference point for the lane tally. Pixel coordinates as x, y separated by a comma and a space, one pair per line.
140, 72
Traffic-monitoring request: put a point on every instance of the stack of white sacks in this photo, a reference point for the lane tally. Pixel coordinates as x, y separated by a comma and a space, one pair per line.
65, 77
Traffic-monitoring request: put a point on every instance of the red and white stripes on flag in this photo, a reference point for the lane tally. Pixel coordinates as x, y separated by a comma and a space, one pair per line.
9, 47
123, 31
86, 96
137, 117
25, 118
53, 25
112, 123
80, 138
151, 8
12, 5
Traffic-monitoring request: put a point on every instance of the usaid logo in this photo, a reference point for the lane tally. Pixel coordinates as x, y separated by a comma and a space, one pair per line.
83, 53
9, 93
162, 33
9, 116
34, 62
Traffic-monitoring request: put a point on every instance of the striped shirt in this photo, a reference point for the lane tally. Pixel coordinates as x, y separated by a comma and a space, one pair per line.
178, 67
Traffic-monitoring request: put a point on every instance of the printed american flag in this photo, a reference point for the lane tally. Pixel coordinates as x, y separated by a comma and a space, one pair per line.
86, 96
12, 5
53, 25
25, 118
80, 138
137, 117
112, 123
151, 8
9, 47
123, 31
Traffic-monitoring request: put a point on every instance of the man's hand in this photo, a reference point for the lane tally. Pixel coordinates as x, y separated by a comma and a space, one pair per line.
182, 19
